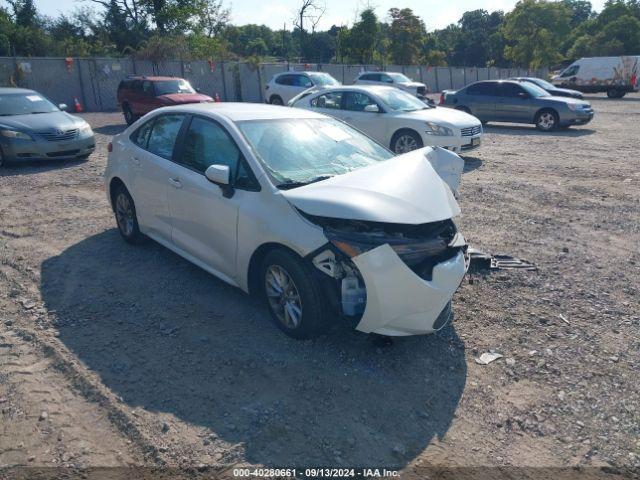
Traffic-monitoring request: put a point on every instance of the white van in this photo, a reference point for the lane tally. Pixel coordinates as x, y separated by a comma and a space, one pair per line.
614, 75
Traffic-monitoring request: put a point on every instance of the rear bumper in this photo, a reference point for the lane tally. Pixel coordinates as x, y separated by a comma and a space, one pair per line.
16, 150
399, 302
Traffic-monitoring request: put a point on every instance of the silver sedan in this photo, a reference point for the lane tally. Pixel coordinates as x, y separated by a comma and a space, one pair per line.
31, 127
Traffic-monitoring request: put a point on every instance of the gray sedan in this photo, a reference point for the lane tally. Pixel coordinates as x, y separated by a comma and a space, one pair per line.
31, 127
518, 102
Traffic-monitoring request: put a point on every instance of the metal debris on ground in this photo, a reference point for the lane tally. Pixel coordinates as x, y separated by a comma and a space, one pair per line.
487, 358
485, 261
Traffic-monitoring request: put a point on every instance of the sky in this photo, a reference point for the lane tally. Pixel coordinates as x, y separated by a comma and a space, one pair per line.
274, 13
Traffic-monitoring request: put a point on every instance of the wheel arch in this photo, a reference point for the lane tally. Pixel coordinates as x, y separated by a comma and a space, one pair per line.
114, 184
253, 270
401, 130
545, 109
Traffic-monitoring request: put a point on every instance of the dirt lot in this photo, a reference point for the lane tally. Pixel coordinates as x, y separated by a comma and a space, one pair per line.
119, 355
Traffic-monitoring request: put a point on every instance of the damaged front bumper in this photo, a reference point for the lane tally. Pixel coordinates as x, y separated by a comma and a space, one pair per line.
399, 302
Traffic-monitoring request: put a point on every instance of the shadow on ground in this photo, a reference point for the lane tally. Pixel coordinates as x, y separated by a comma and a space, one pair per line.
34, 167
168, 337
509, 129
111, 129
471, 164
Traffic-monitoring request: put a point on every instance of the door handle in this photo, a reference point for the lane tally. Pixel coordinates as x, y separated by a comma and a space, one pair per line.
175, 182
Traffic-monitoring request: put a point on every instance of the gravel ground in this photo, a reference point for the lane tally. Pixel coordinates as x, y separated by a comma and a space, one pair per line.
119, 355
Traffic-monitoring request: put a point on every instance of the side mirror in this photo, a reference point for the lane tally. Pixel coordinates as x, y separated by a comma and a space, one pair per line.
198, 90
63, 107
523, 95
372, 108
221, 176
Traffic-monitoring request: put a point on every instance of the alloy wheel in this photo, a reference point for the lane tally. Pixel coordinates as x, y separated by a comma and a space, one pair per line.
283, 296
124, 214
546, 121
405, 143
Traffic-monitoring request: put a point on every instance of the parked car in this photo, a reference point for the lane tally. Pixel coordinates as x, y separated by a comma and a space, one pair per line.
138, 95
550, 88
518, 102
393, 79
615, 75
32, 127
284, 86
317, 218
395, 118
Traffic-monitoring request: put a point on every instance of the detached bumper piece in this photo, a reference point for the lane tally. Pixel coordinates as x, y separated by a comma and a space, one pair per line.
399, 301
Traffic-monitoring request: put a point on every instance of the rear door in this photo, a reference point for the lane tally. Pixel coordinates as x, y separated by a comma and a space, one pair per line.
481, 99
513, 104
151, 168
329, 103
148, 99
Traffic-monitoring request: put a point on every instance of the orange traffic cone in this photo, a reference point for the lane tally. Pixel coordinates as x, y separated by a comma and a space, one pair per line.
76, 105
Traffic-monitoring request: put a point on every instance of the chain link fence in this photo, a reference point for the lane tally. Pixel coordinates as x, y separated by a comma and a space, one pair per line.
93, 82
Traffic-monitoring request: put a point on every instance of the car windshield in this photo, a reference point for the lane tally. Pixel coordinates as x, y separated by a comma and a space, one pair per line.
534, 90
323, 79
297, 151
399, 101
398, 77
540, 82
167, 87
24, 104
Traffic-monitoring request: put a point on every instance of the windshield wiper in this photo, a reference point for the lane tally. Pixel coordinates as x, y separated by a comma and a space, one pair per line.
293, 184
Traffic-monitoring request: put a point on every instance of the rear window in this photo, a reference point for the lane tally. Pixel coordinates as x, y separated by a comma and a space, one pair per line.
484, 88
163, 135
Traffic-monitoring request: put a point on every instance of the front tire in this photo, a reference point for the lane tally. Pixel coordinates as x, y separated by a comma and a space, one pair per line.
616, 93
126, 217
128, 114
547, 120
1, 158
276, 100
405, 141
293, 295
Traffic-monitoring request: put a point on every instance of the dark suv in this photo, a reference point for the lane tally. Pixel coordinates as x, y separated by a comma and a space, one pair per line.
139, 95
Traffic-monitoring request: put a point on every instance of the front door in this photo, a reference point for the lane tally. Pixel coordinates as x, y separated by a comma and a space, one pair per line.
513, 104
354, 112
204, 221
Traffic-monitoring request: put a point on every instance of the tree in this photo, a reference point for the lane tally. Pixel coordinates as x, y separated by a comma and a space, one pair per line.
311, 11
534, 30
581, 11
363, 36
406, 34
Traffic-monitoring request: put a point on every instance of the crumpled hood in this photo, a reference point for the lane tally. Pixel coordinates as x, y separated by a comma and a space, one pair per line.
179, 98
448, 117
41, 122
405, 189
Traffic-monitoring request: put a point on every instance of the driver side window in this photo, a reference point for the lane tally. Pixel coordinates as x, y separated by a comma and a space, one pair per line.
571, 71
206, 143
357, 101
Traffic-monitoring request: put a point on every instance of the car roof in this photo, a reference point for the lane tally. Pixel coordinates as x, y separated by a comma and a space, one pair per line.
358, 88
6, 90
152, 78
237, 112
384, 71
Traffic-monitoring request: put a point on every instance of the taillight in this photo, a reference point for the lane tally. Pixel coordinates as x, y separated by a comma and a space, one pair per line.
442, 98
110, 147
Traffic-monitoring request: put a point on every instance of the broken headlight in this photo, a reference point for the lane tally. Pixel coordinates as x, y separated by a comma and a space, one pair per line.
412, 243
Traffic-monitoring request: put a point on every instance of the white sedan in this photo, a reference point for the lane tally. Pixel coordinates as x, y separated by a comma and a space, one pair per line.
395, 118
316, 218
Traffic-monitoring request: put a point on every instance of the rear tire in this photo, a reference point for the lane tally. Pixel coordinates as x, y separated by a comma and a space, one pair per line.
1, 158
124, 210
547, 120
616, 93
276, 100
129, 117
293, 295
404, 141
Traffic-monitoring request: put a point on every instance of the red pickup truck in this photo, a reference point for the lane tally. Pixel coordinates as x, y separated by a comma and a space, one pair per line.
139, 95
